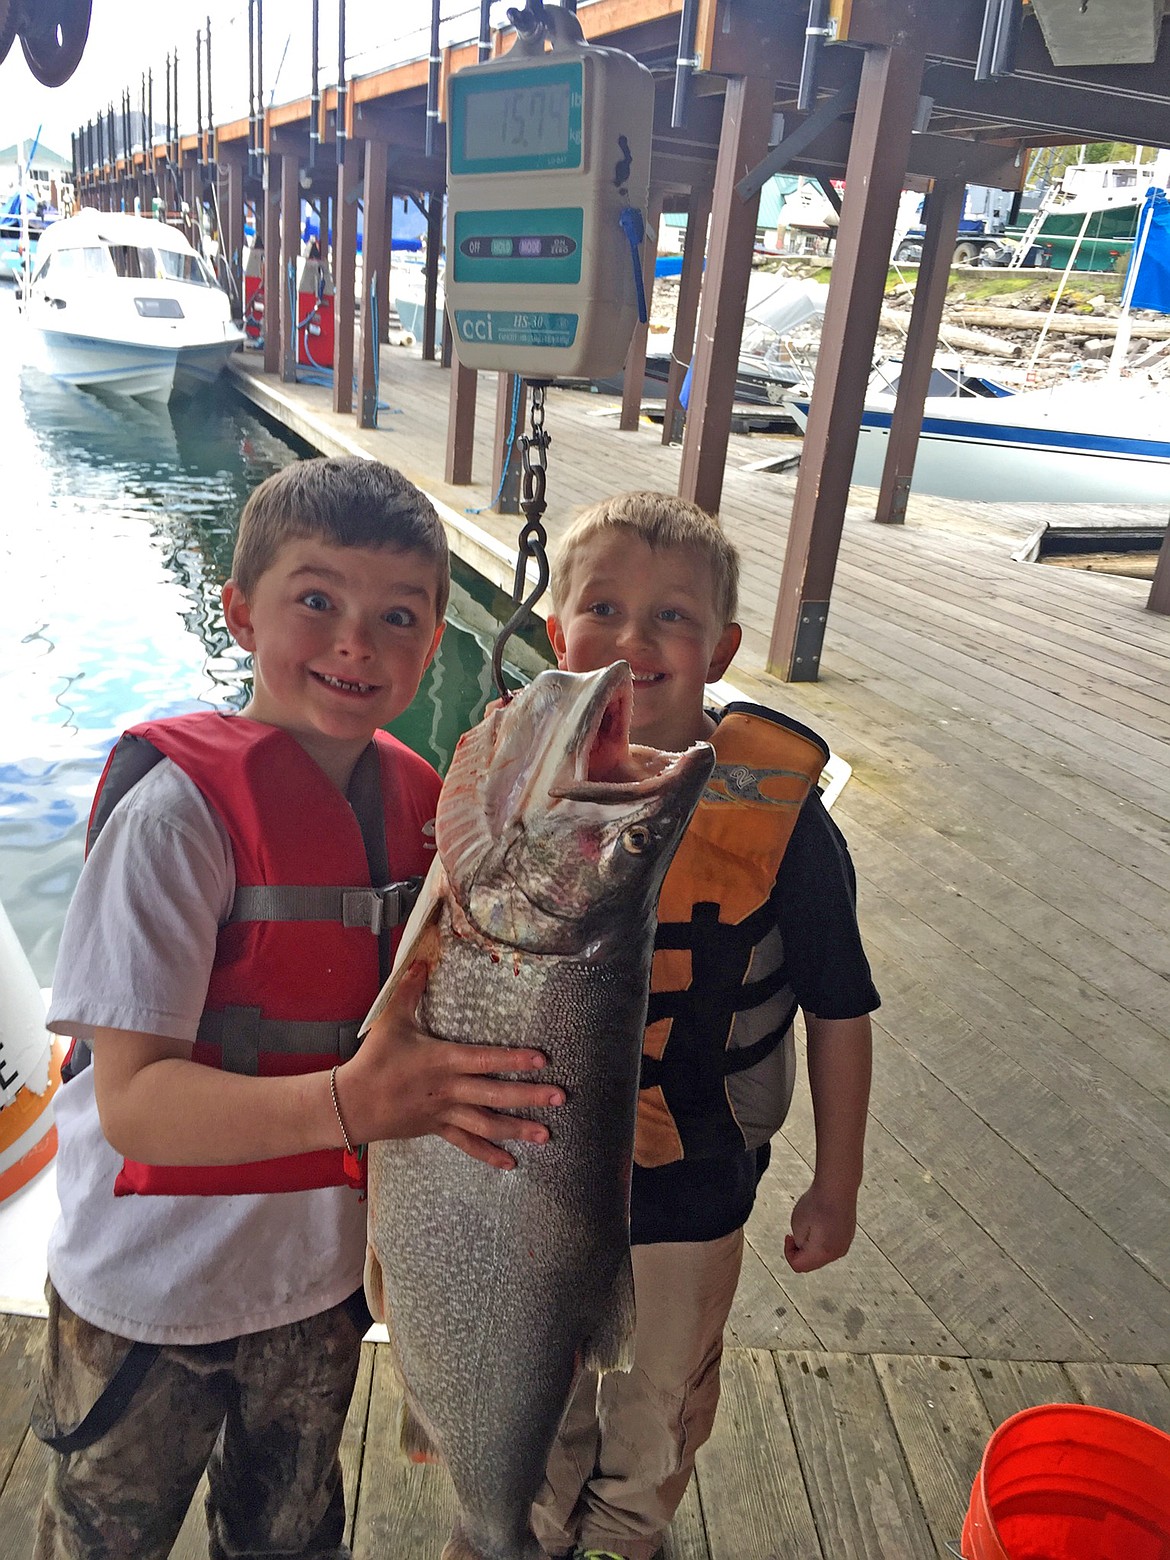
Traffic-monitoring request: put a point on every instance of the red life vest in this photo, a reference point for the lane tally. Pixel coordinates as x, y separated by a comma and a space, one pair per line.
310, 933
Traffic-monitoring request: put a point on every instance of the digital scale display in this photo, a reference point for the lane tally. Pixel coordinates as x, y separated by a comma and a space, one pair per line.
517, 121
527, 121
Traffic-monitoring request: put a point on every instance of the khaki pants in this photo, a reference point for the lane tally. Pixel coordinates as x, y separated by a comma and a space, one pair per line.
262, 1413
627, 1443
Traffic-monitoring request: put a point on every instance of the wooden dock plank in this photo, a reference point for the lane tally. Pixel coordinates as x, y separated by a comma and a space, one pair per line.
20, 1501
1034, 913
862, 1496
943, 1427
1101, 895
1075, 1262
755, 1506
1039, 978
402, 1508
1095, 1171
687, 1535
1039, 725
1008, 1387
763, 1316
353, 1439
916, 961
936, 1245
862, 1302
993, 648
20, 1363
1137, 1390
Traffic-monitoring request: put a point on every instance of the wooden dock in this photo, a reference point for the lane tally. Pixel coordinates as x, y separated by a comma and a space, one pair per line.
1009, 817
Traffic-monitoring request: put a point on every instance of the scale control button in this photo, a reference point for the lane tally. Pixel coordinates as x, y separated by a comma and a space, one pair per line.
519, 246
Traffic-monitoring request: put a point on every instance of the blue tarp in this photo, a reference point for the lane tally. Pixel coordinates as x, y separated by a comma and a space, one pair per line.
1151, 287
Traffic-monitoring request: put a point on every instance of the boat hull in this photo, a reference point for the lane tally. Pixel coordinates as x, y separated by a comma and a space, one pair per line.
145, 372
998, 452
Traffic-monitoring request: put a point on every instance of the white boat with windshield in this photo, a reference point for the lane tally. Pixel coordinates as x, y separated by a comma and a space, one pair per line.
125, 304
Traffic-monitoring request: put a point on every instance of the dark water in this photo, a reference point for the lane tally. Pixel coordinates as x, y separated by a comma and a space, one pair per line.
116, 533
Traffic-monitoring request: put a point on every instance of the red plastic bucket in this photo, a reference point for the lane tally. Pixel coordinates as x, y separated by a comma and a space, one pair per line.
1069, 1482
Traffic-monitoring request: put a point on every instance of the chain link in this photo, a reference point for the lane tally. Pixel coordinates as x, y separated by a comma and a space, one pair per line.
533, 540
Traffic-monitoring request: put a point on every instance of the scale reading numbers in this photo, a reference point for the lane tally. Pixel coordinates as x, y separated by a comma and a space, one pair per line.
549, 169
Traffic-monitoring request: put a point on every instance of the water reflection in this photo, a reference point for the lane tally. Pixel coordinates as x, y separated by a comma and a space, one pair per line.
117, 537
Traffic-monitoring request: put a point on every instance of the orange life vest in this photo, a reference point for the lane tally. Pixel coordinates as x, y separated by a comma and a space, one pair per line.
717, 1065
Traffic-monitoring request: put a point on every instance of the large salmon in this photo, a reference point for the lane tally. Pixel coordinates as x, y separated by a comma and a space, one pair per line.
537, 924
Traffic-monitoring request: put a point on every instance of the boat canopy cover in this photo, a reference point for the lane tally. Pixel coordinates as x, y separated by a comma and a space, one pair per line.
789, 305
1151, 287
91, 227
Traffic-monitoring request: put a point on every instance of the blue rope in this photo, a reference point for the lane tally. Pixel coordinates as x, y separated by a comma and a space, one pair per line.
516, 389
634, 228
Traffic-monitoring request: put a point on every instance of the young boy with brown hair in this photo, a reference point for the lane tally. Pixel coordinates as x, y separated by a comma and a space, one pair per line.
756, 919
233, 922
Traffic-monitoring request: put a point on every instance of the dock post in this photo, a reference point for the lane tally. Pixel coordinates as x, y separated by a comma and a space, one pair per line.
375, 260
273, 312
1159, 599
887, 101
944, 208
290, 252
511, 396
689, 285
434, 245
344, 273
634, 373
231, 163
460, 422
747, 122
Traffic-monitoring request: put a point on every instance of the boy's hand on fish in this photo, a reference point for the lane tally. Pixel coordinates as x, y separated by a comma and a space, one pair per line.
823, 1226
404, 1083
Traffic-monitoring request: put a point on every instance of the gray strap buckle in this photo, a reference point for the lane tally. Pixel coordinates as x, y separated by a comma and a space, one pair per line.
380, 908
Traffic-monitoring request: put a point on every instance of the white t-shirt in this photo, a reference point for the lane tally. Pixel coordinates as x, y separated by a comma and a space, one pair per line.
171, 1269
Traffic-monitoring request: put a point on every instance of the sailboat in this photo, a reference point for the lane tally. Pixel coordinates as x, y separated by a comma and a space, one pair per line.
1099, 441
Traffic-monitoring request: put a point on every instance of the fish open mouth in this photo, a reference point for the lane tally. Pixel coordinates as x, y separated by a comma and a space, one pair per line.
604, 767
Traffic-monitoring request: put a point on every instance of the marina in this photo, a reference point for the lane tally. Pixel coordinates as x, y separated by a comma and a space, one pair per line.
1007, 730
1000, 730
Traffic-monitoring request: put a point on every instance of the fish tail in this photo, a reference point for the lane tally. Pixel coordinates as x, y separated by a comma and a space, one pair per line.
611, 1344
460, 1547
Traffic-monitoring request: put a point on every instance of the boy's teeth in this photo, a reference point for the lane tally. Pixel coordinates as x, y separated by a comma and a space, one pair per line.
350, 687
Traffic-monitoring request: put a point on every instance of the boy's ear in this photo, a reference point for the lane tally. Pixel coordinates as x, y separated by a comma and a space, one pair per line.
724, 652
238, 616
556, 638
434, 643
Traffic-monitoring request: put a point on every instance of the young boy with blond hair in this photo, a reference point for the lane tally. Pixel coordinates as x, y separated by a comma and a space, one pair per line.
233, 922
756, 919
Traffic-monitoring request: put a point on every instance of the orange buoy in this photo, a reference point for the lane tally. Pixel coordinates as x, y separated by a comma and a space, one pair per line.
30, 1069
1068, 1482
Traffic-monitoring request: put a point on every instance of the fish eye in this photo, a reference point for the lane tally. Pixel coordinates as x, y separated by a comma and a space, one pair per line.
637, 839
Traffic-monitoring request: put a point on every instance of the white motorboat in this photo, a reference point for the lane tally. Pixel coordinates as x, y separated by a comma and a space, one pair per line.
124, 304
1106, 442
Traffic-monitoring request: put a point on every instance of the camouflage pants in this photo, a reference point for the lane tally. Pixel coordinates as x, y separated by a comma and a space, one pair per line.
263, 1414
